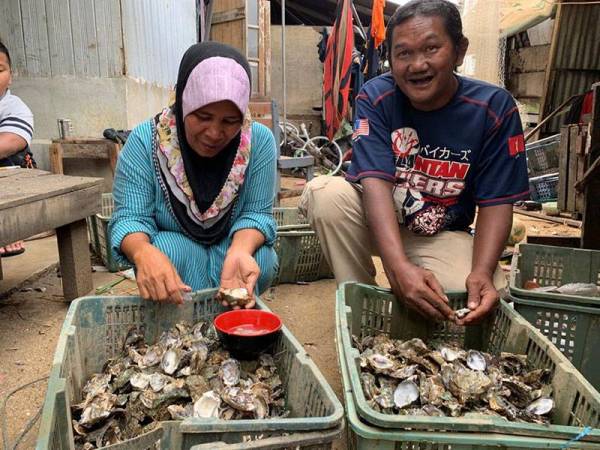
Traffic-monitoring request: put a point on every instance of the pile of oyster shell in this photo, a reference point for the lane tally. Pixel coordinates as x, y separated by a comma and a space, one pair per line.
185, 374
411, 378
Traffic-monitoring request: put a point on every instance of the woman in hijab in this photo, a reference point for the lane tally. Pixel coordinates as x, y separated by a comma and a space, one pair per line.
194, 186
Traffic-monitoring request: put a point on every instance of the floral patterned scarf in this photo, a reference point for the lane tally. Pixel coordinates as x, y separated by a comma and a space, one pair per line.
212, 224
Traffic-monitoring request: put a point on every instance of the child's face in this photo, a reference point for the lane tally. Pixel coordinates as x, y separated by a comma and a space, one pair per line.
5, 75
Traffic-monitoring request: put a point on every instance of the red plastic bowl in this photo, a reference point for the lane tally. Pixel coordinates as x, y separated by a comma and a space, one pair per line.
247, 332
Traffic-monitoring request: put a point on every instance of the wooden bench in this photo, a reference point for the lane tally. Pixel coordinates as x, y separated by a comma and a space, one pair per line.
34, 201
82, 148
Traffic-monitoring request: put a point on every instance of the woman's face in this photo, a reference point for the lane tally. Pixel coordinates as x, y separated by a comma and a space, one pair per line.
209, 129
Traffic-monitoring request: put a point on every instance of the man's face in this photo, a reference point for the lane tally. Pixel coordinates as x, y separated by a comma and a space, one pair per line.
423, 58
5, 77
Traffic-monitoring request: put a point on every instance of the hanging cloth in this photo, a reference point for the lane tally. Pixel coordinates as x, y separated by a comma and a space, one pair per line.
337, 70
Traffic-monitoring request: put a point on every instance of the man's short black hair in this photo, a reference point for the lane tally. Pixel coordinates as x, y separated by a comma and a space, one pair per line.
4, 50
441, 8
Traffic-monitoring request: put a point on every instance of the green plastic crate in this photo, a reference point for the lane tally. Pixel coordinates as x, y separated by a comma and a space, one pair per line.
574, 329
554, 266
298, 249
363, 436
366, 310
102, 241
94, 330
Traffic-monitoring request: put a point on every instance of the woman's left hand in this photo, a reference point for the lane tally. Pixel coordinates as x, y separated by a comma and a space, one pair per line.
240, 270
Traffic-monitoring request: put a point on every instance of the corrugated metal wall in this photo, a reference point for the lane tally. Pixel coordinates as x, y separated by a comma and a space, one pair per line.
63, 37
157, 33
577, 62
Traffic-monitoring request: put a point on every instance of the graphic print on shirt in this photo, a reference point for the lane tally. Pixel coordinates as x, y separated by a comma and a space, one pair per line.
428, 180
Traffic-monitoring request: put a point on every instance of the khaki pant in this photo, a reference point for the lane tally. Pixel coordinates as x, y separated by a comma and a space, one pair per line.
334, 209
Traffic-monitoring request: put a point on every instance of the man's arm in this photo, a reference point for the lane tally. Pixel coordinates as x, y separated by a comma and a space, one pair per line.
492, 229
11, 143
417, 287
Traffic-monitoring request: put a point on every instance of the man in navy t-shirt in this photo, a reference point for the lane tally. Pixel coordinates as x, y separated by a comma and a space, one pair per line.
428, 147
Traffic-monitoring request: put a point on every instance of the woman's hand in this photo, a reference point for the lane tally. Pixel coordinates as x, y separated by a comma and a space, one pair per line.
240, 270
156, 276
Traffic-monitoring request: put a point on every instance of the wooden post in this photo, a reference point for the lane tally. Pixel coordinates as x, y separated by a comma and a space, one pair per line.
563, 168
113, 155
590, 231
75, 264
56, 158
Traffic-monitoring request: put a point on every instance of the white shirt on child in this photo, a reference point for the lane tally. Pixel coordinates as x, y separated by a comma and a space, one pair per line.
15, 117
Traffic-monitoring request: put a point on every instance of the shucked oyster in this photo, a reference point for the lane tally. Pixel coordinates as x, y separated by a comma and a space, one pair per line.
235, 297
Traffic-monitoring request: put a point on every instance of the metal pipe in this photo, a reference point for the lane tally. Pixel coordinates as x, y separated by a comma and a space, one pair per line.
357, 18
284, 79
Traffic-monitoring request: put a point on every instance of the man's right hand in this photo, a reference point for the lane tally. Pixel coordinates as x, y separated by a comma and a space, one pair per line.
156, 277
420, 290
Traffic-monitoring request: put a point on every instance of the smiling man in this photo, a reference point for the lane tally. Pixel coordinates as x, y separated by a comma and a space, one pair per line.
429, 148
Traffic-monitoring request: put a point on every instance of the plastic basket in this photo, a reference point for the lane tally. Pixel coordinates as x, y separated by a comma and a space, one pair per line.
543, 155
363, 436
298, 249
554, 266
102, 241
366, 310
571, 322
94, 330
544, 189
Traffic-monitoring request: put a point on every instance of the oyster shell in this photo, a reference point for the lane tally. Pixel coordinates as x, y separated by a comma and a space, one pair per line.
170, 361
235, 296
461, 313
476, 361
207, 406
406, 393
380, 363
139, 381
541, 406
230, 372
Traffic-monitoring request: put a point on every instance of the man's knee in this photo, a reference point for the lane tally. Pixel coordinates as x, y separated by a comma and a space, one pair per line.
327, 200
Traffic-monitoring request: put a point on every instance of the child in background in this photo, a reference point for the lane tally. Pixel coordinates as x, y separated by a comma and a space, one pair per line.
16, 132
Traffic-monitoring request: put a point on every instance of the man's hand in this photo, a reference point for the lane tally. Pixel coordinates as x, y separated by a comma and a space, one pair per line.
240, 270
156, 277
421, 291
483, 297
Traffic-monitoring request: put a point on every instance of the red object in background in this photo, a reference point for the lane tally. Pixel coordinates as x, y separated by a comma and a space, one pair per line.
247, 322
337, 69
586, 108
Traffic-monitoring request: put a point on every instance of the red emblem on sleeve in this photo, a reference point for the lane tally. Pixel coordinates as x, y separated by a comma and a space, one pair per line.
516, 144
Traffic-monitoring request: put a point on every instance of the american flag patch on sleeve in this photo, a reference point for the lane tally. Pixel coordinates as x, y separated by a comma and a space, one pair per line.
361, 128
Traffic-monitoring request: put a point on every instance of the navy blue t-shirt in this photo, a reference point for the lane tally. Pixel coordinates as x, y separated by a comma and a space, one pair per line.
442, 162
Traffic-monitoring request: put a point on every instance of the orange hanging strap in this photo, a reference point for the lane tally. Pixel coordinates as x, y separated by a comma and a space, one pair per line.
377, 22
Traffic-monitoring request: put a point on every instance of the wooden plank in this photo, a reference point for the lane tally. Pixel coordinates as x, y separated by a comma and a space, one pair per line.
22, 188
55, 152
226, 5
267, 50
60, 39
11, 25
563, 171
74, 256
45, 214
84, 38
232, 33
91, 151
549, 78
581, 167
228, 16
572, 168
35, 34
590, 234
